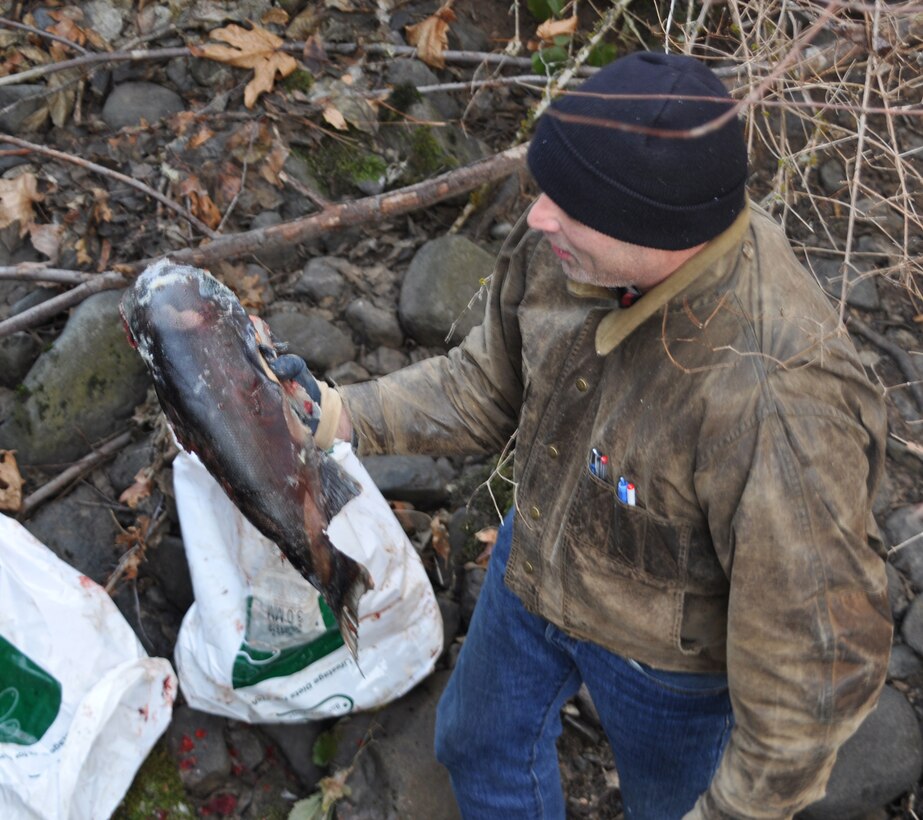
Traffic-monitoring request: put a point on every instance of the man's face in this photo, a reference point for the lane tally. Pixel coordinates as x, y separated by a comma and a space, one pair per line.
593, 258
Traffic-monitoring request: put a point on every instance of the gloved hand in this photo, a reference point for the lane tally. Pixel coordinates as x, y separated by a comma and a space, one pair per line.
321, 406
317, 405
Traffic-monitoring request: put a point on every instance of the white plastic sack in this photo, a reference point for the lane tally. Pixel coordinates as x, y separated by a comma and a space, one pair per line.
259, 645
81, 703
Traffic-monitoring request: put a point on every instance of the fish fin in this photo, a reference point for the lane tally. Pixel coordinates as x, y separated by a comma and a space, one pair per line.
348, 614
338, 486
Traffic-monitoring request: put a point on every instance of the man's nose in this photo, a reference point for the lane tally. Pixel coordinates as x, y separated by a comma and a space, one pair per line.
544, 215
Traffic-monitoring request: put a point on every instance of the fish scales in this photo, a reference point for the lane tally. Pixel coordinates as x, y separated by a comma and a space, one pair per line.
225, 405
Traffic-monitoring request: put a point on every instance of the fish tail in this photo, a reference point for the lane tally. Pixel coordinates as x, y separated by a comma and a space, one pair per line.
347, 610
338, 486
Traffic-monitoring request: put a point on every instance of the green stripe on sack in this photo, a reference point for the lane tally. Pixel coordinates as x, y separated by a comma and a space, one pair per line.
252, 665
30, 698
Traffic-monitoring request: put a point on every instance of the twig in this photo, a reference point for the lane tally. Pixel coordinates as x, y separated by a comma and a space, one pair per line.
95, 58
7, 23
51, 307
900, 356
34, 272
61, 482
458, 57
608, 21
123, 178
857, 175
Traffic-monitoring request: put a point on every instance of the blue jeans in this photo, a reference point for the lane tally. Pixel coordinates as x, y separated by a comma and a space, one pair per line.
499, 717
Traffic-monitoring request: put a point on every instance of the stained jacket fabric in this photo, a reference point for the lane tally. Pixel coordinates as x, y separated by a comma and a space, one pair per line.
733, 400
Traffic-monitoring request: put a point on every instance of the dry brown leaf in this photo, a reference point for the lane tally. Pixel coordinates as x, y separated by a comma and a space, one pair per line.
10, 482
250, 292
203, 135
182, 121
333, 115
305, 24
254, 48
440, 542
555, 28
200, 202
101, 210
431, 36
83, 255
228, 186
273, 164
274, 16
487, 537
16, 198
46, 239
105, 253
140, 489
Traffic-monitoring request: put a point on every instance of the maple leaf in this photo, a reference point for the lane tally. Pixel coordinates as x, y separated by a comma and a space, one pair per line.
10, 482
431, 36
254, 48
16, 198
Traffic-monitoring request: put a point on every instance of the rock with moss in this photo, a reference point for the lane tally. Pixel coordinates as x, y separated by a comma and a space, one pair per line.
343, 169
80, 391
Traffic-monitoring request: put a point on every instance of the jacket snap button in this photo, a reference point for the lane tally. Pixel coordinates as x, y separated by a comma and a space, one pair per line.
553, 451
582, 384
527, 567
536, 513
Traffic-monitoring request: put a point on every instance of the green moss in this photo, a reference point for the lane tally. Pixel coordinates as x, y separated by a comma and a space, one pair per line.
157, 790
344, 167
402, 98
298, 80
427, 155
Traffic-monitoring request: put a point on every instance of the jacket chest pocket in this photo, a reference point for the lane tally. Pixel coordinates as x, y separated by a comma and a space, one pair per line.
627, 537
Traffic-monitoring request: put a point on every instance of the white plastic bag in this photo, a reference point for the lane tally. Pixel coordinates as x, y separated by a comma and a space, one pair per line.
259, 645
81, 703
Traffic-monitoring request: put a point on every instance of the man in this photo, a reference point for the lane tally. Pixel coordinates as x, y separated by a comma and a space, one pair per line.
695, 469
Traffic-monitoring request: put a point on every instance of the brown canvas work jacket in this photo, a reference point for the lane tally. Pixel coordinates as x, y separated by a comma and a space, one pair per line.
733, 400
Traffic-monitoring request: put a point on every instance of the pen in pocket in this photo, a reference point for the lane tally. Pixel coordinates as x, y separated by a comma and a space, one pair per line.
625, 490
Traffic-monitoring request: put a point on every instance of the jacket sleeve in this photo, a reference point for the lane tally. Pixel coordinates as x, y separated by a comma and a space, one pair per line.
464, 402
788, 498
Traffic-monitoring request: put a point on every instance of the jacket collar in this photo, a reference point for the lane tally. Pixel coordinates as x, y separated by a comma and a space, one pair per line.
700, 270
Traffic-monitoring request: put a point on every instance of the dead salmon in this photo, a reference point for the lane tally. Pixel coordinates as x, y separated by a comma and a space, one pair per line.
252, 432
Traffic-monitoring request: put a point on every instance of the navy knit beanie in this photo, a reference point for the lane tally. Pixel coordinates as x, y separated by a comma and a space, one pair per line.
649, 189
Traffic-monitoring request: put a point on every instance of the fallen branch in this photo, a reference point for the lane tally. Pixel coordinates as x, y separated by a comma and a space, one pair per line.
900, 356
123, 178
56, 304
92, 59
331, 218
350, 214
36, 272
71, 474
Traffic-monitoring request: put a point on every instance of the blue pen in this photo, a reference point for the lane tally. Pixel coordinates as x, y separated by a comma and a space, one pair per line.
594, 461
622, 489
